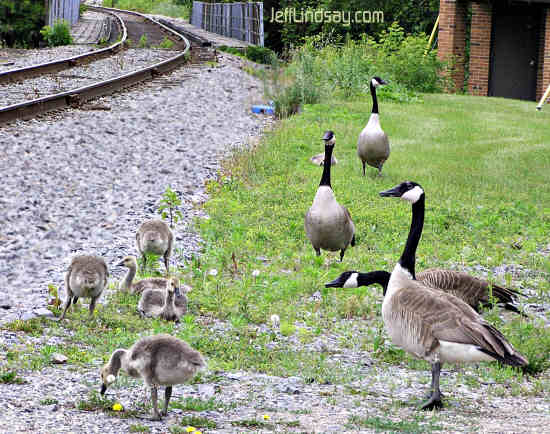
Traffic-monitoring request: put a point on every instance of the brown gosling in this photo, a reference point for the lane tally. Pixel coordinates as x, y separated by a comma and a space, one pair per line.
155, 236
168, 304
128, 285
160, 360
86, 277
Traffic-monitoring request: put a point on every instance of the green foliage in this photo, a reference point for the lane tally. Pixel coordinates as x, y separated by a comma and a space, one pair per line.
82, 8
59, 34
166, 44
169, 206
326, 66
171, 8
259, 54
419, 424
198, 422
20, 22
10, 377
142, 43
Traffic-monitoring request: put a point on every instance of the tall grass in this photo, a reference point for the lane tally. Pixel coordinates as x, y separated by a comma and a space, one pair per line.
170, 8
328, 67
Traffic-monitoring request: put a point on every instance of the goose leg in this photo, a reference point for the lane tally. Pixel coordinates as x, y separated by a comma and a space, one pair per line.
67, 303
363, 168
144, 262
434, 400
380, 170
167, 395
92, 305
166, 262
75, 299
342, 254
317, 252
353, 241
154, 399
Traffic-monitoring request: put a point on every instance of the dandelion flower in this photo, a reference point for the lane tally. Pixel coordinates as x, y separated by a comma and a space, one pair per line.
117, 406
266, 416
198, 432
191, 429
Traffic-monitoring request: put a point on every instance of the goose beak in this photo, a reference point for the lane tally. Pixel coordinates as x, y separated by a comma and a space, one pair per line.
119, 264
328, 135
392, 192
336, 283
384, 81
103, 389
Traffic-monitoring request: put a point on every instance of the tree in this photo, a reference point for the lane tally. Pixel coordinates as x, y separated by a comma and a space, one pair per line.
21, 21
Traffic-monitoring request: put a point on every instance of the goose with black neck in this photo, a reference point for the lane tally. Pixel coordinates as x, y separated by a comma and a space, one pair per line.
328, 224
373, 146
433, 325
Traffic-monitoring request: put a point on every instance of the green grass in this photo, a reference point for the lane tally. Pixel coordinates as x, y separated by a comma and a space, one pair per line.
483, 163
419, 424
158, 7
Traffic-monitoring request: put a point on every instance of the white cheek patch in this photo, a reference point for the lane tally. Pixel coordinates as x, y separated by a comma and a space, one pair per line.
352, 281
374, 83
110, 379
413, 195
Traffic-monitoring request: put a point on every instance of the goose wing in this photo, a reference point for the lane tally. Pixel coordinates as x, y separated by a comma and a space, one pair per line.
151, 302
468, 288
439, 316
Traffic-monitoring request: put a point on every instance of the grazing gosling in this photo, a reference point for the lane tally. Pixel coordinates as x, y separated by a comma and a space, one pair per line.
138, 287
86, 277
155, 236
160, 360
167, 304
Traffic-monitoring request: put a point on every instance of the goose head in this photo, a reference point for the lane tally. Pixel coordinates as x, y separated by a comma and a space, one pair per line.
408, 190
128, 262
107, 378
329, 138
348, 279
377, 81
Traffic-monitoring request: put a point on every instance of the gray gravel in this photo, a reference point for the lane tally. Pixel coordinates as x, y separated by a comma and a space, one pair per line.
83, 180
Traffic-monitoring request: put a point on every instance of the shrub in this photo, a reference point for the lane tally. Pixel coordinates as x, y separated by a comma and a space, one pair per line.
259, 54
20, 22
59, 34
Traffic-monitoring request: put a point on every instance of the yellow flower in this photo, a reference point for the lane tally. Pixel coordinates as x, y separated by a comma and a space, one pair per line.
190, 429
117, 407
198, 432
266, 416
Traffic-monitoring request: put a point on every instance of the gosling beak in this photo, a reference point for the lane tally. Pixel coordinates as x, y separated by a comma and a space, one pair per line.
120, 264
103, 389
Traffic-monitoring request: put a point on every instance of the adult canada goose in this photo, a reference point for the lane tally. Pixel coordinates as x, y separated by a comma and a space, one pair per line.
328, 224
127, 284
155, 236
373, 146
167, 304
86, 277
434, 325
470, 289
160, 360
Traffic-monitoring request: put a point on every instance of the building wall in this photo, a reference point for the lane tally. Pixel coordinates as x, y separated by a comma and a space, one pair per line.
543, 73
452, 38
480, 49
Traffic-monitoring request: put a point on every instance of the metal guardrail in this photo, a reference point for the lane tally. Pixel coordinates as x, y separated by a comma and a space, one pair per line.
29, 109
243, 21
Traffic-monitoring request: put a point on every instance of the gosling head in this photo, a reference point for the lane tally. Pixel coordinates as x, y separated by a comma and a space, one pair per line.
408, 190
377, 81
107, 378
128, 262
329, 138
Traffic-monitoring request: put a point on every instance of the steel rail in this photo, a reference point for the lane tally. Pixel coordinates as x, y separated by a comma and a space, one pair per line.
29, 109
69, 62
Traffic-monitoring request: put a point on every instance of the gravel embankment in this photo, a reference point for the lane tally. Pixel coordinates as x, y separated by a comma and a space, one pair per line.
84, 180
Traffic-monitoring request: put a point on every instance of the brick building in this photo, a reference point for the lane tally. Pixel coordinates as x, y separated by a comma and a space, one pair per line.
509, 45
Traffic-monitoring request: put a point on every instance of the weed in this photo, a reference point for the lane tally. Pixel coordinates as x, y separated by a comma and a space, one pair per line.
49, 401
197, 404
169, 206
142, 43
199, 422
139, 428
11, 377
166, 44
416, 425
58, 34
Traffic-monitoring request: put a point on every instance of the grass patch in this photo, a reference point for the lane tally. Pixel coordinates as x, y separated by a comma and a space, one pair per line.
197, 404
96, 402
198, 422
419, 424
11, 377
253, 423
139, 428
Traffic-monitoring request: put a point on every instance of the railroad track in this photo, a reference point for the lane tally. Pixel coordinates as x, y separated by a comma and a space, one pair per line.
51, 86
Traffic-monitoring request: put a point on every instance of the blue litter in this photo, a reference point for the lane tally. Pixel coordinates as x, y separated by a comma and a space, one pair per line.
264, 109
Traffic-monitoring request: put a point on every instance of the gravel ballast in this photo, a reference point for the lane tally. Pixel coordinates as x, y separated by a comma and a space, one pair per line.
83, 181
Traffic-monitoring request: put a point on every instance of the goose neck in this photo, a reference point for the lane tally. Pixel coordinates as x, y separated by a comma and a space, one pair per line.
408, 256
127, 282
116, 361
325, 178
381, 277
374, 98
